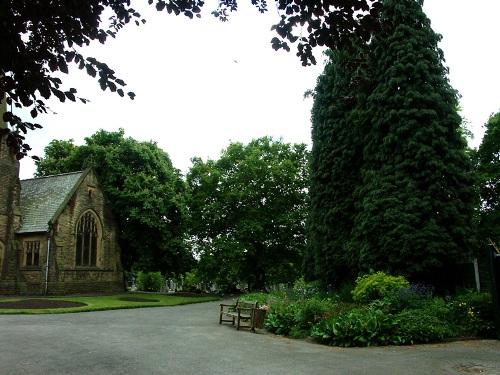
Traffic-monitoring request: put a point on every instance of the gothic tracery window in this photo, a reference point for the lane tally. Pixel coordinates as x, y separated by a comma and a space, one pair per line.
32, 253
87, 234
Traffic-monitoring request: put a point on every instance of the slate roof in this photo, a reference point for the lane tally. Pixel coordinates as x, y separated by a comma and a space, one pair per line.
42, 198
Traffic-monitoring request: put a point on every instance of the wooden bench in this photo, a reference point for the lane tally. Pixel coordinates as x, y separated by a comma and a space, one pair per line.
237, 312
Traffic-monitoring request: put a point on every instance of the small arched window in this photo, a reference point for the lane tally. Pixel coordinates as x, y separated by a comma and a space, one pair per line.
87, 235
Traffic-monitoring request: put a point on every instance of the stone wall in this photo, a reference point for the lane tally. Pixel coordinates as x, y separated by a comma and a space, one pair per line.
9, 213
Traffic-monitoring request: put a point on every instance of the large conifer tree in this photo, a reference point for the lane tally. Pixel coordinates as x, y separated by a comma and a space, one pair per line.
335, 163
416, 201
391, 187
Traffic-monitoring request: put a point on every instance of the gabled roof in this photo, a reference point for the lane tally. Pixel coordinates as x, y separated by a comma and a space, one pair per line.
43, 199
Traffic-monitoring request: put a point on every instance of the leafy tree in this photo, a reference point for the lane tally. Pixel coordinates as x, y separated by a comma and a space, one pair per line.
58, 158
146, 194
40, 38
411, 209
487, 159
248, 212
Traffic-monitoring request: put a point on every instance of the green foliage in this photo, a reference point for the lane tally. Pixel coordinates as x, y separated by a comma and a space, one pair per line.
472, 314
414, 296
376, 286
293, 310
358, 327
336, 159
415, 213
408, 315
149, 281
261, 298
417, 326
391, 182
280, 318
344, 292
146, 194
309, 311
247, 213
487, 161
192, 278
303, 290
54, 43
296, 318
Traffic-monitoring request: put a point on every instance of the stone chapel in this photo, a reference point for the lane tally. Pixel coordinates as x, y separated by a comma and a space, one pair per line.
57, 235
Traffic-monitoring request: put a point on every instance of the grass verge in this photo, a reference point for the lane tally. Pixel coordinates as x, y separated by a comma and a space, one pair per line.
109, 302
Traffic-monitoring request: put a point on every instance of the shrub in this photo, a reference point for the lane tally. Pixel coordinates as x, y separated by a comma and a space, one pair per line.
310, 311
414, 296
261, 298
357, 327
377, 285
149, 281
280, 318
420, 326
472, 314
345, 292
302, 290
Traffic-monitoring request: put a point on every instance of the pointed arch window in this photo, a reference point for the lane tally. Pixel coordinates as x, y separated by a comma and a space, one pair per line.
32, 253
87, 235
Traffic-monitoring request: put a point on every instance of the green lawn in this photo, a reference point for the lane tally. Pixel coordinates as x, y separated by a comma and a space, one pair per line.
113, 302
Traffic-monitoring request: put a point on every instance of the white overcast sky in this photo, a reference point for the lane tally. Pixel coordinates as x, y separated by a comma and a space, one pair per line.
201, 83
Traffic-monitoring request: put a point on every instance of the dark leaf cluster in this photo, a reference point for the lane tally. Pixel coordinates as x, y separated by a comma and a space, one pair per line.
41, 38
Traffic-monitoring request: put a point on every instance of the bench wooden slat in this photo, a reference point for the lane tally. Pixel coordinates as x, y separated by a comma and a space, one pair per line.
237, 312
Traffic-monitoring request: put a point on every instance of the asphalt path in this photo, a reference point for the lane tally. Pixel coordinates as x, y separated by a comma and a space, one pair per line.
189, 340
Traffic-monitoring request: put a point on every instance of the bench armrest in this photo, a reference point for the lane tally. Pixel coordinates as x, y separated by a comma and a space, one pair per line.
227, 308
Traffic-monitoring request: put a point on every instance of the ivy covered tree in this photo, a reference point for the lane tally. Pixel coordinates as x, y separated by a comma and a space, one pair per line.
248, 212
414, 203
147, 196
40, 38
487, 160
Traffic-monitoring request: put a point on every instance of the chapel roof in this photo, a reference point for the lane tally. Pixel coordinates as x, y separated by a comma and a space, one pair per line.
43, 197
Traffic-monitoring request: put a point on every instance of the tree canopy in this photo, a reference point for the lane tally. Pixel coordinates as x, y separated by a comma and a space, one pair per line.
147, 196
411, 209
41, 38
487, 160
248, 212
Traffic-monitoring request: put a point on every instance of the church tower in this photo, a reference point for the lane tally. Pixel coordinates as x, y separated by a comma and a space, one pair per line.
10, 215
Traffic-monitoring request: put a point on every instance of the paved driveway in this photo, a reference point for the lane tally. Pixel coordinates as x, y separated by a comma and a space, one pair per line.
188, 339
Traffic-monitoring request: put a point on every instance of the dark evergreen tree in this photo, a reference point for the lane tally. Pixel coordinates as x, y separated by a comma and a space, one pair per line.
415, 205
336, 159
391, 183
